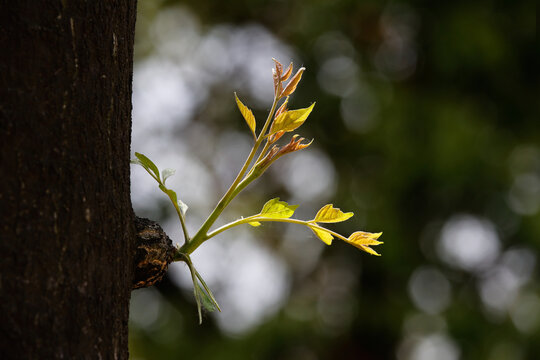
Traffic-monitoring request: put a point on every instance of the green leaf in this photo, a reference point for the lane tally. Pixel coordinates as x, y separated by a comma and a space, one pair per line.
330, 214
203, 295
197, 293
247, 114
167, 173
290, 120
169, 192
206, 301
325, 236
208, 296
147, 164
277, 209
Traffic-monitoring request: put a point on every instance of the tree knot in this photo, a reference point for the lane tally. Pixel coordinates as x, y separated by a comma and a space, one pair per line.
154, 252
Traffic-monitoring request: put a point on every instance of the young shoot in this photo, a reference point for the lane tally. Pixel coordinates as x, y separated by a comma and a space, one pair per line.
279, 122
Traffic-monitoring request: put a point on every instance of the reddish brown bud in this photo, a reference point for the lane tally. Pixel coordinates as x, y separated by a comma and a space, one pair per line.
291, 86
287, 73
277, 82
268, 159
282, 108
275, 137
279, 67
293, 145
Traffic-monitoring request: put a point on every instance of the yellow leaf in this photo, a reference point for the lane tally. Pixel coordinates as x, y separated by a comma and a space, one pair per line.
277, 209
254, 223
363, 240
368, 250
247, 114
330, 214
282, 108
326, 237
290, 120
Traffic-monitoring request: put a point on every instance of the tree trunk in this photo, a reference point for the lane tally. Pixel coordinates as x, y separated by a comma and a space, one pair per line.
67, 230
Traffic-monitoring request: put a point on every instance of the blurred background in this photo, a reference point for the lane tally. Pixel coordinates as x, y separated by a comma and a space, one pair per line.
426, 127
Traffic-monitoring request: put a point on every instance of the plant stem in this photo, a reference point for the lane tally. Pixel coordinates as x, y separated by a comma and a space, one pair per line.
182, 220
263, 219
265, 148
237, 185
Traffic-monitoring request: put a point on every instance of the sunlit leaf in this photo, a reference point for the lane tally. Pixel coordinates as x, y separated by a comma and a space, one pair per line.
291, 86
279, 67
330, 214
275, 137
282, 108
363, 240
290, 120
294, 145
367, 249
247, 114
268, 158
167, 173
278, 89
277, 209
287, 73
325, 236
147, 163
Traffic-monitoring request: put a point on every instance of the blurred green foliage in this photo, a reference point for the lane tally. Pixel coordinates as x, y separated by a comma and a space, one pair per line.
438, 119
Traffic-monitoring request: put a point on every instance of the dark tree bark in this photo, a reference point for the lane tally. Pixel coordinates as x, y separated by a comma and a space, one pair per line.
66, 222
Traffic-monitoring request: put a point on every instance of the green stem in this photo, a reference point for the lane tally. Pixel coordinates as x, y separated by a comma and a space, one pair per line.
237, 185
182, 220
175, 204
152, 174
263, 219
263, 152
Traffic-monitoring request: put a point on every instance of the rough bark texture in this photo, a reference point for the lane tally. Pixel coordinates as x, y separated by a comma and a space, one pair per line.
66, 223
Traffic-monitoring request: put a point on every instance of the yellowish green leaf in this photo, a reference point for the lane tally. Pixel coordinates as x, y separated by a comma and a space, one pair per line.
282, 108
368, 250
290, 120
254, 223
277, 209
363, 241
247, 114
365, 238
330, 214
325, 236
